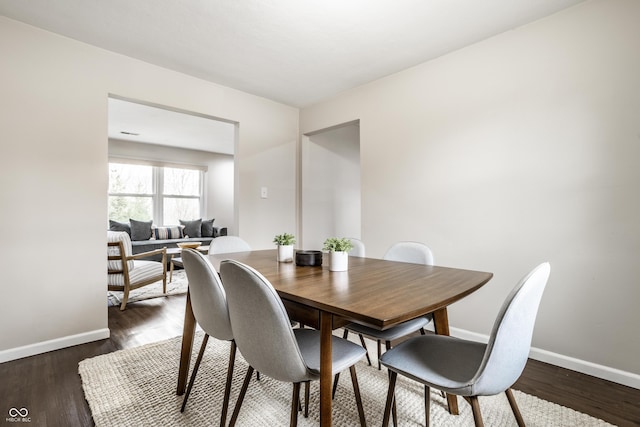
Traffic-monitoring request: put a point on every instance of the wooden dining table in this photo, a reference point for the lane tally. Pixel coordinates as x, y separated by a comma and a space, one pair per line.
373, 292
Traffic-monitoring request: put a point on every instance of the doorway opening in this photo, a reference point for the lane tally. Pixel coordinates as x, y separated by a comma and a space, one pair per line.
330, 184
152, 135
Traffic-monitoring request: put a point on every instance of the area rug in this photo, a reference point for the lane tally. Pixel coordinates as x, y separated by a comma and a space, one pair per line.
177, 286
137, 387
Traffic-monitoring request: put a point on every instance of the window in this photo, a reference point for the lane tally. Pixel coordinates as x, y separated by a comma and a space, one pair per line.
159, 193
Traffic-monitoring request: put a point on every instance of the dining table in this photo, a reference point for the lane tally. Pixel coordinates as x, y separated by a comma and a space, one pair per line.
372, 292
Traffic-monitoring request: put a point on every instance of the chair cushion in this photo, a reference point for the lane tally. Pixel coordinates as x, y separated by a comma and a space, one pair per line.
193, 228
117, 236
440, 361
168, 233
142, 271
207, 228
119, 226
393, 333
344, 353
140, 230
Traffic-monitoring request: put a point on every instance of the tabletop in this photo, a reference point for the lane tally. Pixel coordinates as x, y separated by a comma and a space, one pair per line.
373, 292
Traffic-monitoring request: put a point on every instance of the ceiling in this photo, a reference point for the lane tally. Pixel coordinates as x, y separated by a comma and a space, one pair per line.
298, 52
132, 121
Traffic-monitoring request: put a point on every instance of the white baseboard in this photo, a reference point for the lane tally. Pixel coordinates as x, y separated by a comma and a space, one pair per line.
600, 371
55, 344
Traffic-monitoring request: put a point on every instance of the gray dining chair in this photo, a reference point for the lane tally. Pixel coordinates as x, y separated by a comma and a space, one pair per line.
411, 252
469, 368
267, 341
209, 303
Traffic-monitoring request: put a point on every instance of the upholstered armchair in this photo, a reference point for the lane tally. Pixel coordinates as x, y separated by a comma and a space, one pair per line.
126, 271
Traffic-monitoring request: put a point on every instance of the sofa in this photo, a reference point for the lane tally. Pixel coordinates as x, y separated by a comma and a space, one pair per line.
147, 237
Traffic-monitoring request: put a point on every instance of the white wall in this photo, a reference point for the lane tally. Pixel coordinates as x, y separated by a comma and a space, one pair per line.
219, 178
516, 150
53, 115
330, 185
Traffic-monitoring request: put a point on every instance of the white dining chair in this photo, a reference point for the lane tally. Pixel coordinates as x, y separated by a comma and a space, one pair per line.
220, 245
228, 244
358, 247
469, 368
411, 252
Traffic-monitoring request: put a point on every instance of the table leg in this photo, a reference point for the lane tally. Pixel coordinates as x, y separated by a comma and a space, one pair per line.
441, 326
326, 327
188, 331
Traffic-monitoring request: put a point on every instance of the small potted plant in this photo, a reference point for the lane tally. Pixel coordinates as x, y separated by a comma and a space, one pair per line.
338, 248
285, 244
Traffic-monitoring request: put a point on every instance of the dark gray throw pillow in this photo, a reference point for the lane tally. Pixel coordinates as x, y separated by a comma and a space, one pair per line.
192, 228
140, 230
207, 227
119, 226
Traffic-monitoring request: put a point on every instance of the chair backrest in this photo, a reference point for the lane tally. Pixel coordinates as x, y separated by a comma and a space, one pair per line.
412, 252
208, 298
260, 324
228, 244
118, 249
358, 247
510, 340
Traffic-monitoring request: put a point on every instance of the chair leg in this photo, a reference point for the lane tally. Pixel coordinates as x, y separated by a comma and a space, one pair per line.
295, 400
387, 346
427, 405
227, 387
475, 407
125, 298
195, 371
422, 331
379, 354
335, 385
356, 391
514, 407
364, 344
394, 412
390, 398
306, 398
243, 391
337, 376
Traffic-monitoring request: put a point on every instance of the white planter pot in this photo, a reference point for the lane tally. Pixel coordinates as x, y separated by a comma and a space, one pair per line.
285, 253
338, 261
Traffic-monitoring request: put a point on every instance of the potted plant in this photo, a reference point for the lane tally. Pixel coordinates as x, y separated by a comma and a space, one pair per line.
285, 244
338, 248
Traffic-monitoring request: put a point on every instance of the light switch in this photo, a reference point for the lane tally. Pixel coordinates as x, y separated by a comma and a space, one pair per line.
263, 192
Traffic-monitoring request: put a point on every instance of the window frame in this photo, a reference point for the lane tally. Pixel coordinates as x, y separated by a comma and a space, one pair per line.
157, 186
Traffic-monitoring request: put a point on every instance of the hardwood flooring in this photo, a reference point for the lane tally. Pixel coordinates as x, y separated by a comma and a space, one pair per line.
49, 386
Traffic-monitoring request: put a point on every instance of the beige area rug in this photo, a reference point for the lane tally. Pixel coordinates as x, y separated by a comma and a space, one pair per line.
137, 387
177, 286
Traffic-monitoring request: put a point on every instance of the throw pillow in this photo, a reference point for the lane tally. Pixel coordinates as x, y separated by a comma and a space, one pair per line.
207, 227
140, 230
119, 226
166, 233
192, 228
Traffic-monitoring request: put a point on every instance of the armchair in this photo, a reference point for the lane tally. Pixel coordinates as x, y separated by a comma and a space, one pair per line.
126, 271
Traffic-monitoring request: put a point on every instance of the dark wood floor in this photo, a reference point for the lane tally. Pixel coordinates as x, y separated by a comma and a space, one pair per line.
49, 386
